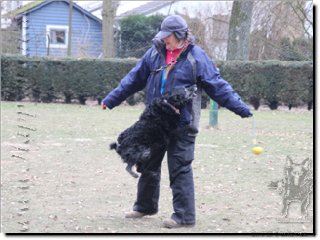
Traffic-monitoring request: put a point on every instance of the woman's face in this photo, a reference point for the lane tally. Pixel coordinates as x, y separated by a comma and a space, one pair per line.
171, 42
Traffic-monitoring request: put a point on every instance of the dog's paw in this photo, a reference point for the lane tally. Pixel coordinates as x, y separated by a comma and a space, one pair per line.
132, 173
113, 145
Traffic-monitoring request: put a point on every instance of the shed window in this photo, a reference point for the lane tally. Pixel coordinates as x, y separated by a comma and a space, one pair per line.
57, 36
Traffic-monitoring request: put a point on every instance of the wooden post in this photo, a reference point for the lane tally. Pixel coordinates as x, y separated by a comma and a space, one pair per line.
0, 27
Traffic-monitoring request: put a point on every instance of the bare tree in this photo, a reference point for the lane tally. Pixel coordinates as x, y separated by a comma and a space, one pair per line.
108, 14
239, 30
210, 25
273, 21
301, 10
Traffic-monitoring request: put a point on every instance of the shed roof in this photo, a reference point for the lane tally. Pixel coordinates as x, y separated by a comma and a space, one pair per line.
35, 5
146, 8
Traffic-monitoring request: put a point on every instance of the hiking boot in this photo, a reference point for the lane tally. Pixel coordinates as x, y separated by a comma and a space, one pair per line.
136, 214
170, 223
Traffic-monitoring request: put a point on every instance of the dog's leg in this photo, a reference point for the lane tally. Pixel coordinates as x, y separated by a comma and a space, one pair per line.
285, 207
144, 158
304, 206
129, 170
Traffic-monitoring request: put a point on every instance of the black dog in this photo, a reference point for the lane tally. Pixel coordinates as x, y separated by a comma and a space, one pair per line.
151, 132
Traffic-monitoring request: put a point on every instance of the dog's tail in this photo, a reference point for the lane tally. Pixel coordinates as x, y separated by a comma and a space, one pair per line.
113, 145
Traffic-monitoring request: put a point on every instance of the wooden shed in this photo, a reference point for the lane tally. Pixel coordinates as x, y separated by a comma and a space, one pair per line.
45, 29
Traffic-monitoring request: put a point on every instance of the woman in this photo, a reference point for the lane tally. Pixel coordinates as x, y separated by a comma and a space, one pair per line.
174, 61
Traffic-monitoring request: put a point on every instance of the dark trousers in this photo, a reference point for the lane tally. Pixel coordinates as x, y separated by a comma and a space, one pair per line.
180, 155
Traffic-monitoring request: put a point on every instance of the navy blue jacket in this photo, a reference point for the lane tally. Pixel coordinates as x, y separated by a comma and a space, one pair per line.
193, 66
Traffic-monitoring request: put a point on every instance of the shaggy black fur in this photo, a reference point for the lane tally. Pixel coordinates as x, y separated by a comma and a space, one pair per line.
137, 144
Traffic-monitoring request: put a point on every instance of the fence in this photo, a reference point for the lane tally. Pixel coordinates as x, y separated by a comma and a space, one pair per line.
11, 41
83, 45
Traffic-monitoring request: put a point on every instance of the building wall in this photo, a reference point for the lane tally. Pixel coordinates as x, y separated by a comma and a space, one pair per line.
199, 9
86, 32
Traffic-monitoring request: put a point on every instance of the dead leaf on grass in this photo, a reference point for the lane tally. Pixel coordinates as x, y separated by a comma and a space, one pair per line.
226, 219
24, 209
24, 180
53, 217
24, 223
25, 228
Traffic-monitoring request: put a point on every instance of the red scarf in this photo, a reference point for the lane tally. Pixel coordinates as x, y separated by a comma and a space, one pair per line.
171, 56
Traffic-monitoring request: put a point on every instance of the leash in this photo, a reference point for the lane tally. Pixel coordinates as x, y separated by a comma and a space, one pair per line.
173, 107
163, 67
254, 140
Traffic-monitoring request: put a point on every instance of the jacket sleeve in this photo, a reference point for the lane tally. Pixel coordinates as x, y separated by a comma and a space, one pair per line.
133, 82
218, 89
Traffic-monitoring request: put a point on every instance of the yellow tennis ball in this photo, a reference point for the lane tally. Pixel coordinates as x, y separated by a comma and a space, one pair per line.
257, 150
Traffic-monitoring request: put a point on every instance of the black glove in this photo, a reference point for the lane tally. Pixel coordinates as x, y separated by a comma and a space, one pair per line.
246, 113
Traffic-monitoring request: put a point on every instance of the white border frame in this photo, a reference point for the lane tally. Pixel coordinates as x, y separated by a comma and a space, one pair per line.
57, 27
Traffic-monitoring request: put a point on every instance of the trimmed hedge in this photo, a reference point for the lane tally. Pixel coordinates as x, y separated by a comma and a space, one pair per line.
271, 82
46, 80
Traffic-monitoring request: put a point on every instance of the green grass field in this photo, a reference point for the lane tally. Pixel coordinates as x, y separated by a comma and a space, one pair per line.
70, 182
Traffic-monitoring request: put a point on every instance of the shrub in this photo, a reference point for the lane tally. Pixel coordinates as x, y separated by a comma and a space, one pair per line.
43, 79
275, 82
136, 34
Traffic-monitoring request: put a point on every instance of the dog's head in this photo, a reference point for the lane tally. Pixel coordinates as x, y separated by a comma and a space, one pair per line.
297, 172
179, 96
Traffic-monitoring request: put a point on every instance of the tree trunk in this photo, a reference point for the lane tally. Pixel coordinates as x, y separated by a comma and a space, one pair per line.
0, 27
239, 30
108, 14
